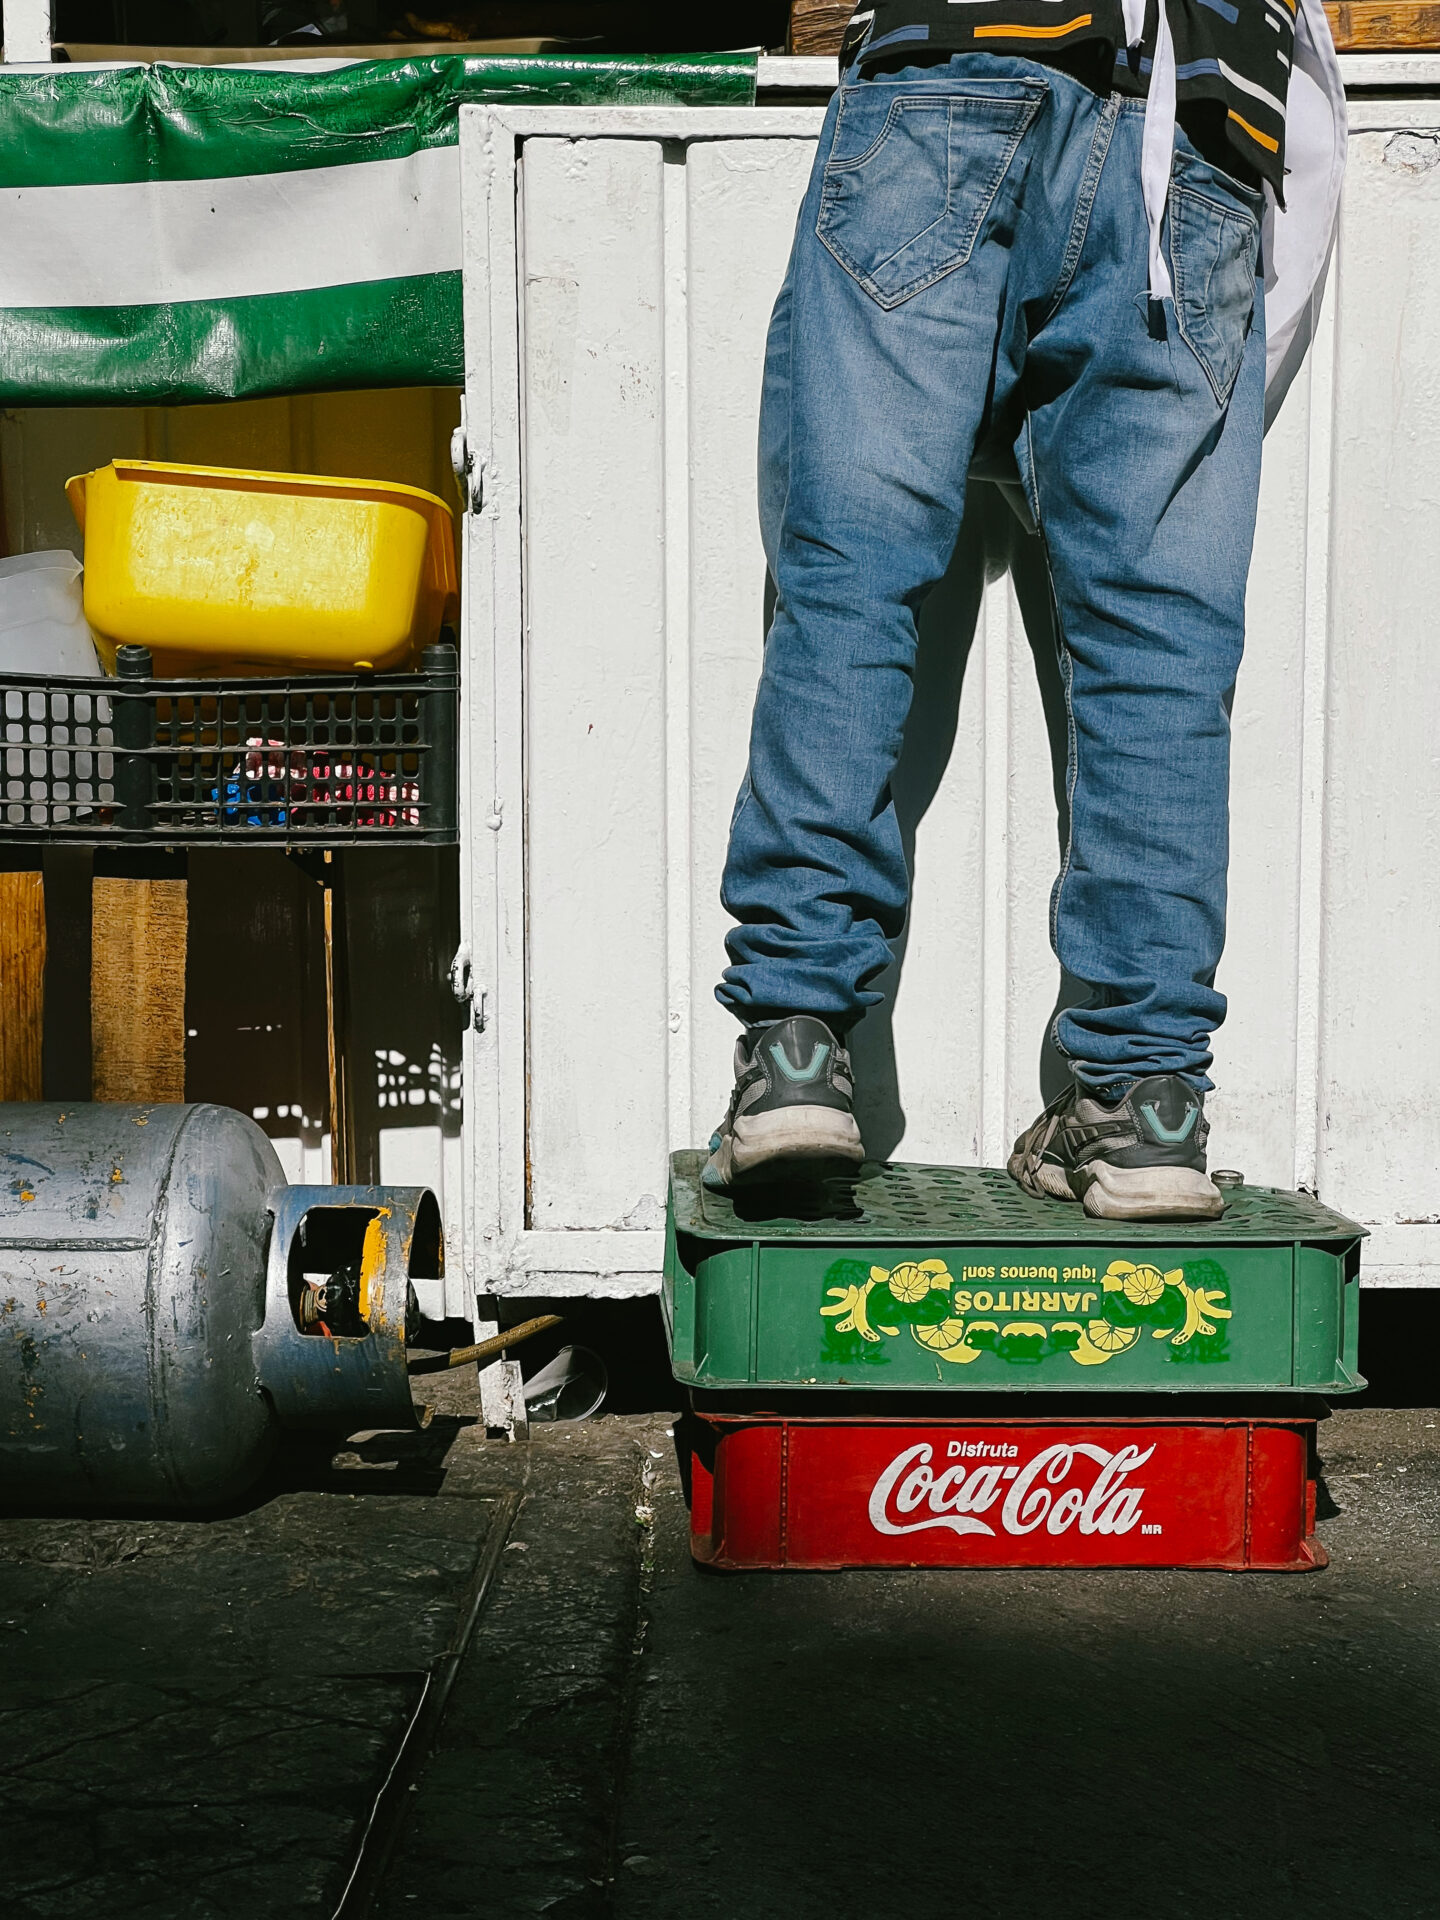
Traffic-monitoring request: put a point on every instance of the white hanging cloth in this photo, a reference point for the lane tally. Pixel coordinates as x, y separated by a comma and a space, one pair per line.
1296, 240
1157, 147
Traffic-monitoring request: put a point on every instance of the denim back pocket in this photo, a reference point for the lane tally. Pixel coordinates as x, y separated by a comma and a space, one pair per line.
1213, 254
911, 178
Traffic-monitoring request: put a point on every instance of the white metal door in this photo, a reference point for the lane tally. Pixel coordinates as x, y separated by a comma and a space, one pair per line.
620, 267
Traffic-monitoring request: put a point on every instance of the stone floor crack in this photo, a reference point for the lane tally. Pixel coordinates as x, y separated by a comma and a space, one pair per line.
644, 1583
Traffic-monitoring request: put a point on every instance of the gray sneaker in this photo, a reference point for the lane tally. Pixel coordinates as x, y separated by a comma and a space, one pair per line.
789, 1116
1140, 1158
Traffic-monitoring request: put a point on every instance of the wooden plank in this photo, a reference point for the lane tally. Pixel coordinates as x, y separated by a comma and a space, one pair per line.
1372, 26
22, 984
137, 988
817, 26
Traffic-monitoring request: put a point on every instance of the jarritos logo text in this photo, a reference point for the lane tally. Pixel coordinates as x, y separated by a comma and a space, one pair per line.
1072, 1483
1024, 1314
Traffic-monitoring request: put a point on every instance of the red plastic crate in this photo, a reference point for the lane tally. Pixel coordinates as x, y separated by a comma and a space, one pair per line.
771, 1491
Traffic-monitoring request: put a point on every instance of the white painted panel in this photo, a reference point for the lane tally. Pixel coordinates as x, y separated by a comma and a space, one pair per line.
27, 31
593, 478
1332, 1046
740, 200
1380, 1055
1252, 1114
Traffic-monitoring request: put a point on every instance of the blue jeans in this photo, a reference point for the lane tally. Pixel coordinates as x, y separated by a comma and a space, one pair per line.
970, 262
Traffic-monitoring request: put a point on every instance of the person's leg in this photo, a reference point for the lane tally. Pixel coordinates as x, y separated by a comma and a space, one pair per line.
883, 361
1145, 467
940, 206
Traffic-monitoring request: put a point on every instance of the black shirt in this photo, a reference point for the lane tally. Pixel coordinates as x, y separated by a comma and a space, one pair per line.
1232, 57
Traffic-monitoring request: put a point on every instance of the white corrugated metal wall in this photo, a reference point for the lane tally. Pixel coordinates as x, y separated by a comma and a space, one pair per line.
616, 595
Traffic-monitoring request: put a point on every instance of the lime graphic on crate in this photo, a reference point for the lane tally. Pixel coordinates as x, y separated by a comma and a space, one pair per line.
952, 1321
951, 1278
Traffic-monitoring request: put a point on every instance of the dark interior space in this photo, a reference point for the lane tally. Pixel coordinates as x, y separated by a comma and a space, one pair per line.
1399, 1335
588, 26
628, 1335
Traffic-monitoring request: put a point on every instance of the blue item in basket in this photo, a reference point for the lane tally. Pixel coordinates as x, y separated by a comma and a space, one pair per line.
261, 793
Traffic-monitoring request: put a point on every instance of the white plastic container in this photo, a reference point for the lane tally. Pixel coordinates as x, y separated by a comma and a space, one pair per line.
42, 617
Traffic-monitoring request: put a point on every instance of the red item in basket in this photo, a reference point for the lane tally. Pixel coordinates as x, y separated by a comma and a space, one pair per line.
304, 784
768, 1491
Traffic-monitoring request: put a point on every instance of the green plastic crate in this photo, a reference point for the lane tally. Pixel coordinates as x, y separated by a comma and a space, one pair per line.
952, 1279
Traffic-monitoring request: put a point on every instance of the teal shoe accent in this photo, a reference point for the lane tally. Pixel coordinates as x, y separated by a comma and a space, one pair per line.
1172, 1136
801, 1076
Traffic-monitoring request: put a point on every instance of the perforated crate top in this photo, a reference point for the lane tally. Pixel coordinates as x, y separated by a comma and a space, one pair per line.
896, 1201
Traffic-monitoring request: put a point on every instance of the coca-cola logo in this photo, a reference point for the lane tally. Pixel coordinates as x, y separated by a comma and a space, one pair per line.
1054, 1489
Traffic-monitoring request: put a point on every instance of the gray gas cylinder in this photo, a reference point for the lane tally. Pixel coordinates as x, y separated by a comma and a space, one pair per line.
167, 1300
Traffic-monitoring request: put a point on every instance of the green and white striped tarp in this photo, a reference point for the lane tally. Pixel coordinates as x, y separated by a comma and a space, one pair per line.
175, 234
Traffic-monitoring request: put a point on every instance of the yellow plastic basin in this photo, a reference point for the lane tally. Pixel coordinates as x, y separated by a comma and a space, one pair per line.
217, 570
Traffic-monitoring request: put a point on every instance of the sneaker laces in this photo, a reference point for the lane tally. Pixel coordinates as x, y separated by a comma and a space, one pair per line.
1044, 1129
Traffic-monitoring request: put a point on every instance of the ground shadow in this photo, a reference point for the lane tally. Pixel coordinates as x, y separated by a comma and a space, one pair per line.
1198, 1712
389, 1463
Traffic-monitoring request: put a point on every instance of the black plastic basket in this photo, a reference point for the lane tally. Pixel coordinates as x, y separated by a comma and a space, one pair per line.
333, 760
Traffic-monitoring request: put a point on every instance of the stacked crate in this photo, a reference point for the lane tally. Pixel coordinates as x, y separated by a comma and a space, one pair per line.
927, 1367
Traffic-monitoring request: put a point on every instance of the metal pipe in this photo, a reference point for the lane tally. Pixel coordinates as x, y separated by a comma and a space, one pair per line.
487, 1349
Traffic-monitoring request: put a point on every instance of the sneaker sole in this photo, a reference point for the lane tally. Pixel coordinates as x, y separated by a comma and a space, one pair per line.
811, 1141
1150, 1193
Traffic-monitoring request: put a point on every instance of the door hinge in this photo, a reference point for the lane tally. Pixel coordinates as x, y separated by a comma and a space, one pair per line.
469, 471
465, 990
